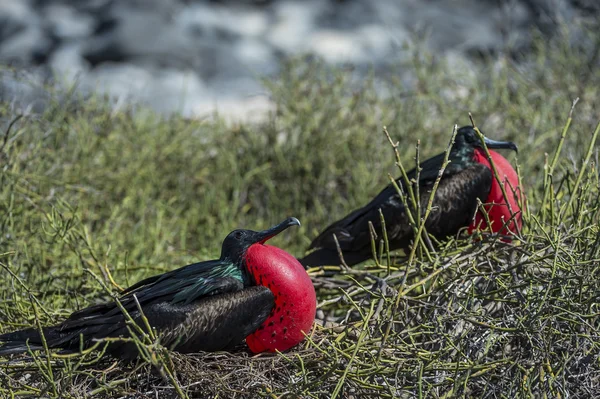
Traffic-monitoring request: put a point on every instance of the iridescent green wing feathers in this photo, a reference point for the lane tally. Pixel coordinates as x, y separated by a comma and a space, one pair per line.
190, 282
180, 286
183, 301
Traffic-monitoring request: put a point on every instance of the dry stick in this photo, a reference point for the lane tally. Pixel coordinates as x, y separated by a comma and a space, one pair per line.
548, 176
399, 164
385, 240
145, 336
422, 224
144, 318
170, 374
432, 196
119, 304
45, 345
25, 287
552, 192
413, 219
583, 167
485, 213
349, 293
381, 249
373, 235
420, 380
522, 201
403, 198
424, 280
108, 273
363, 333
554, 267
111, 385
417, 182
102, 267
340, 254
82, 351
428, 246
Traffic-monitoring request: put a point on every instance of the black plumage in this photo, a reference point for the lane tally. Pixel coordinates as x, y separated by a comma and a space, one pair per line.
455, 202
206, 306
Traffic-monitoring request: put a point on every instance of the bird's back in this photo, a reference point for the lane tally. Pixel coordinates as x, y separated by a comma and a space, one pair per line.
454, 205
172, 302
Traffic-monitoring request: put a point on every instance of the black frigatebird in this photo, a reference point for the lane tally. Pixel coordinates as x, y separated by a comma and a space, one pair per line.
252, 290
466, 179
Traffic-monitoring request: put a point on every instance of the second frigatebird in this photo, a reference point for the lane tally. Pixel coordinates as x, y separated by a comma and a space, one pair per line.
467, 178
253, 290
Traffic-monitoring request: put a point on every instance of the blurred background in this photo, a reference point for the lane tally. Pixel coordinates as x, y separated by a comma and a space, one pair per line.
199, 56
217, 115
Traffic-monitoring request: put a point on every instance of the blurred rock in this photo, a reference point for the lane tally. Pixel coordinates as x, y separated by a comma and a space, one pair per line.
197, 56
23, 37
24, 91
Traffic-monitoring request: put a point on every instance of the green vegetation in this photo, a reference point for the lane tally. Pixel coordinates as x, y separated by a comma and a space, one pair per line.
93, 198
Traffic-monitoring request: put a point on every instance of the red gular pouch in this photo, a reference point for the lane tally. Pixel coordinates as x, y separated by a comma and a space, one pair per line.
293, 313
497, 209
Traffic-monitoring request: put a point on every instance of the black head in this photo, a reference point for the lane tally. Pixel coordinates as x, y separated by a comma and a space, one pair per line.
237, 242
467, 137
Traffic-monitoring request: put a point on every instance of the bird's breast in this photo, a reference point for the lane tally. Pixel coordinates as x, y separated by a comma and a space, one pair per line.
498, 209
295, 299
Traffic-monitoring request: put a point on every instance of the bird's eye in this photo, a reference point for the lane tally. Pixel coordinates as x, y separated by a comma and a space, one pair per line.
238, 234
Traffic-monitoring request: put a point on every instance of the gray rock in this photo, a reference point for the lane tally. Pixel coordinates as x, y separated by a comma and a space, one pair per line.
24, 91
22, 34
67, 23
198, 56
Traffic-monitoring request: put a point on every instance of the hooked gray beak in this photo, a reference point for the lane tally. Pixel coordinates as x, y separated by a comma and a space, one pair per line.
500, 144
264, 235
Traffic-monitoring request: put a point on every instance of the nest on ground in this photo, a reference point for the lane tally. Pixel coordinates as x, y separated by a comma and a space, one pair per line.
520, 317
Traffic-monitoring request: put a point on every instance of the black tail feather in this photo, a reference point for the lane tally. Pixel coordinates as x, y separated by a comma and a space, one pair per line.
29, 338
12, 348
20, 341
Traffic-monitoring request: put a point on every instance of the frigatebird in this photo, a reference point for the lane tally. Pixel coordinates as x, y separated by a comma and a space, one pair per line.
467, 178
252, 290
